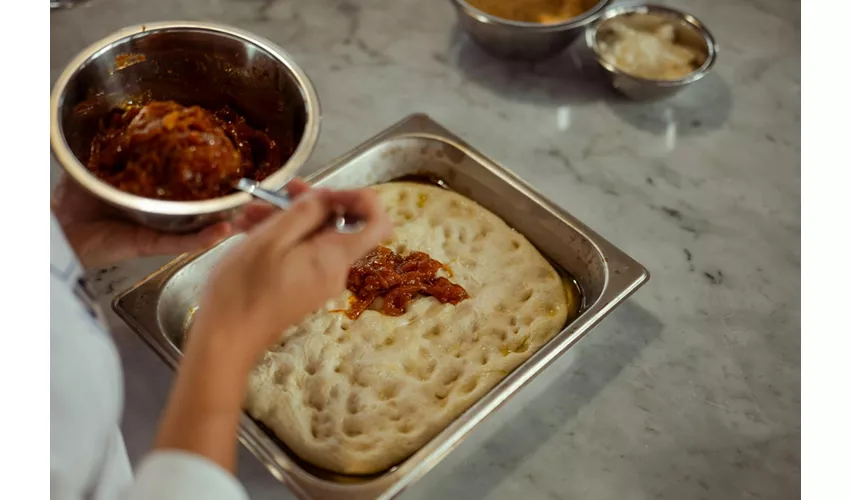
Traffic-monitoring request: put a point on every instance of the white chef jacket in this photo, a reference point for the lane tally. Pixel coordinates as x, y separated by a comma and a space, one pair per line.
88, 459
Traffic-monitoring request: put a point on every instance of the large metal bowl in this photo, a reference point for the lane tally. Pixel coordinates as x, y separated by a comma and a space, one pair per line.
522, 40
191, 63
688, 29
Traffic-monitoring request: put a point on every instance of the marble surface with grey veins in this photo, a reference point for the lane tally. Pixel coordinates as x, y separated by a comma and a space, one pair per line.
691, 390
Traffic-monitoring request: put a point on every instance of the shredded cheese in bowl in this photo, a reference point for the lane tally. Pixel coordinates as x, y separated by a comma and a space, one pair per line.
649, 52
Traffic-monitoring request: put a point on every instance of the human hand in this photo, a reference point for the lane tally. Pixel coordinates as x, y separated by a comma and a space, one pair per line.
100, 237
287, 267
290, 264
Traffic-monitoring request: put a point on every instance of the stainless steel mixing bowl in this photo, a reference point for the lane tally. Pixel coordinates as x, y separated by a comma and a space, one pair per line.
191, 63
522, 40
688, 30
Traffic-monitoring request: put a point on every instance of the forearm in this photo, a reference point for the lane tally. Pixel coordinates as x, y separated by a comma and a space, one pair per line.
205, 405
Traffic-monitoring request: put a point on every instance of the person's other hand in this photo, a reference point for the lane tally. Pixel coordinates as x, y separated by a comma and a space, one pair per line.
289, 266
100, 237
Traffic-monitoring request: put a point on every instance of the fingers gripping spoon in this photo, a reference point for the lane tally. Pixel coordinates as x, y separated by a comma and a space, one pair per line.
343, 223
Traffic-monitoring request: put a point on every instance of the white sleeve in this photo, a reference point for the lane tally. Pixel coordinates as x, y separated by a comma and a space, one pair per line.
173, 475
88, 459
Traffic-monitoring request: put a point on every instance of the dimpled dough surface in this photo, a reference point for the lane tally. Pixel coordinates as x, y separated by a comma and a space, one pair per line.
359, 396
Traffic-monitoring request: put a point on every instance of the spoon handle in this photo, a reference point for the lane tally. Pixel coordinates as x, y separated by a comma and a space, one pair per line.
252, 187
340, 221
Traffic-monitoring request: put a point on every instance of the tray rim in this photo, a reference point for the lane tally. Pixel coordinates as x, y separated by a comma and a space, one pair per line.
623, 277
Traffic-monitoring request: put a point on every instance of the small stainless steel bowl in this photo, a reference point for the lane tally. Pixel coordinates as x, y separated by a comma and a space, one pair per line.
191, 63
523, 40
688, 29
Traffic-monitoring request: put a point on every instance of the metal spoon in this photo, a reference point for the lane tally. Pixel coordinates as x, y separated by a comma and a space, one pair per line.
342, 223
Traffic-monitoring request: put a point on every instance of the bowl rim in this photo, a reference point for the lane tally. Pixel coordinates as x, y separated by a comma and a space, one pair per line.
583, 19
114, 196
648, 8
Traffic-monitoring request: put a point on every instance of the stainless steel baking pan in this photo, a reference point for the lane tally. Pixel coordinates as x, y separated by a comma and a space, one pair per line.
159, 307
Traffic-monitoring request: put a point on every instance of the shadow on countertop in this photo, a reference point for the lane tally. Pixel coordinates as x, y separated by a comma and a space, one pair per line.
573, 78
700, 108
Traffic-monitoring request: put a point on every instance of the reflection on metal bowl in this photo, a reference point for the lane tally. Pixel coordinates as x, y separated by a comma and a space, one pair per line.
194, 64
688, 31
524, 40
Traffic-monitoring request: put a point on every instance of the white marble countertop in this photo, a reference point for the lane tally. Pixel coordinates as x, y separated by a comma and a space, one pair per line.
689, 390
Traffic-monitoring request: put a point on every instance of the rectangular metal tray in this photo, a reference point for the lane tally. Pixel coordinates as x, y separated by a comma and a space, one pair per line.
159, 307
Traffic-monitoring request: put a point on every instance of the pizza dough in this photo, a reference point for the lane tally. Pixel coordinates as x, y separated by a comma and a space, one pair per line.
359, 396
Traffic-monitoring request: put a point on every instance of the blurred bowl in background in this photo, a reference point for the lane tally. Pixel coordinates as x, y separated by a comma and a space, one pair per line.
687, 31
524, 40
194, 64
